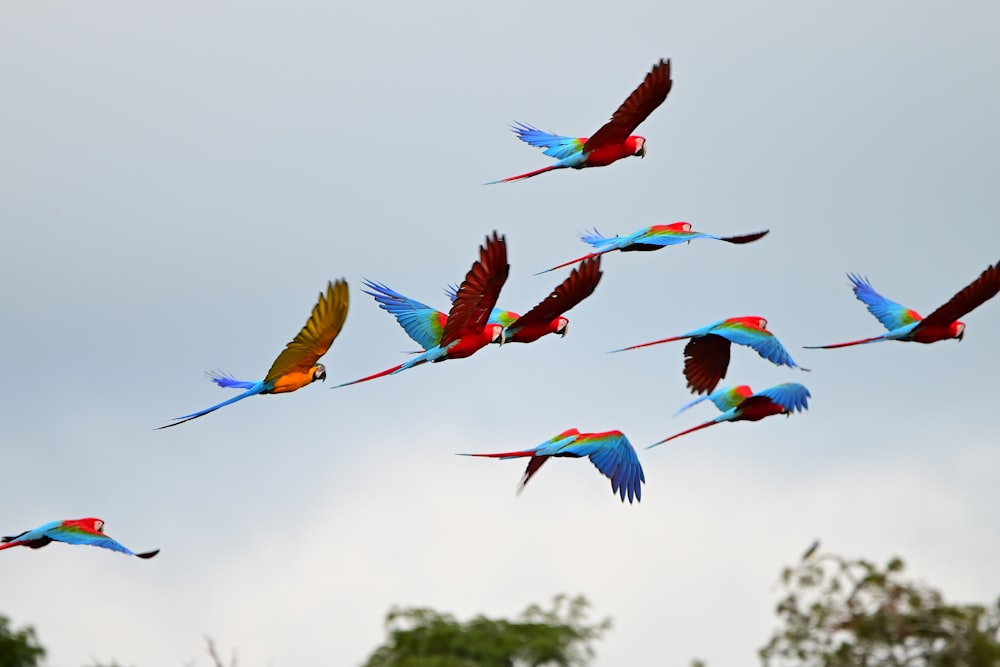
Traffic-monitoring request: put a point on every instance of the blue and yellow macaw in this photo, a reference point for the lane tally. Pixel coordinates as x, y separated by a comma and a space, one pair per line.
297, 365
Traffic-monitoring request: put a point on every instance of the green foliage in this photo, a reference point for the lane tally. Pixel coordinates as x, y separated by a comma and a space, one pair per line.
18, 648
425, 638
840, 613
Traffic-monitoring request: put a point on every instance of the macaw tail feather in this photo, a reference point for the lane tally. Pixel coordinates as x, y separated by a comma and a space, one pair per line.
520, 176
873, 339
255, 388
504, 455
226, 380
389, 371
690, 430
148, 554
572, 261
654, 342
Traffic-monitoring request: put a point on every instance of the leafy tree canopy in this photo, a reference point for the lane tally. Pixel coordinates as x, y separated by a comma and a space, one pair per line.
18, 648
425, 638
852, 613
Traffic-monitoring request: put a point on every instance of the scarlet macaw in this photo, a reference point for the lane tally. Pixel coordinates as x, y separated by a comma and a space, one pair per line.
547, 317
907, 325
465, 330
297, 365
780, 399
72, 531
651, 238
610, 452
706, 355
610, 143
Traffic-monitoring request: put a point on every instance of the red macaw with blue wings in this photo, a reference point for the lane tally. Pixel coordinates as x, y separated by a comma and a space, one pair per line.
907, 325
740, 404
610, 452
72, 531
651, 238
466, 328
706, 355
612, 142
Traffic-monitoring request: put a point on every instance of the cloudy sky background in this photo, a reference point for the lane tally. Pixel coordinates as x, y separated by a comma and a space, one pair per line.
179, 181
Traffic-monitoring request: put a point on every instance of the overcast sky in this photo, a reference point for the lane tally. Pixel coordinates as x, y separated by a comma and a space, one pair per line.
179, 180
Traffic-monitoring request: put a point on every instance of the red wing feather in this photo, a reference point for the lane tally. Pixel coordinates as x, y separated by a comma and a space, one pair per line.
706, 359
643, 100
534, 463
478, 293
978, 292
580, 284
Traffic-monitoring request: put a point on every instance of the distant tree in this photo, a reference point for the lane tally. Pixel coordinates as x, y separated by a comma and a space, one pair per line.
426, 638
851, 613
18, 648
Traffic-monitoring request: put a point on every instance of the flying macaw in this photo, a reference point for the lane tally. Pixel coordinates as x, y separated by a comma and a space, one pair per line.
610, 143
465, 330
651, 238
907, 325
296, 366
780, 399
610, 452
706, 355
547, 317
71, 531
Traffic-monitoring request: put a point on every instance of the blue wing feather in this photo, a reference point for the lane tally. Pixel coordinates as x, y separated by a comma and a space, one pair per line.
763, 342
792, 396
891, 314
555, 145
421, 322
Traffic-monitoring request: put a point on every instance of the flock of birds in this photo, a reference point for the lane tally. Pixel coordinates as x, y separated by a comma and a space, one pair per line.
473, 322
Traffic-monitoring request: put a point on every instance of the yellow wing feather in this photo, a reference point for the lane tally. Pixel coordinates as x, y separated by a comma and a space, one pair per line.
317, 335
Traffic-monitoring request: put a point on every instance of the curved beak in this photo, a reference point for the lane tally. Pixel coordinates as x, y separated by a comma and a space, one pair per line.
961, 335
642, 151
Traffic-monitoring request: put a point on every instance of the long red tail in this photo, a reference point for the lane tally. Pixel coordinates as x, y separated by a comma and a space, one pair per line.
388, 371
503, 455
690, 430
655, 342
873, 339
520, 176
572, 261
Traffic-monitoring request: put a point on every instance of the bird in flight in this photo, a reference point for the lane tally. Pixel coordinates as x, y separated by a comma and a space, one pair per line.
610, 452
548, 317
297, 365
706, 355
466, 328
906, 325
71, 531
780, 399
651, 238
612, 142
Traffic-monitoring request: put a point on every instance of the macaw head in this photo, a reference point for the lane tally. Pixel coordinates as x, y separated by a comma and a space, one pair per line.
638, 145
90, 522
958, 330
495, 333
560, 326
319, 372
